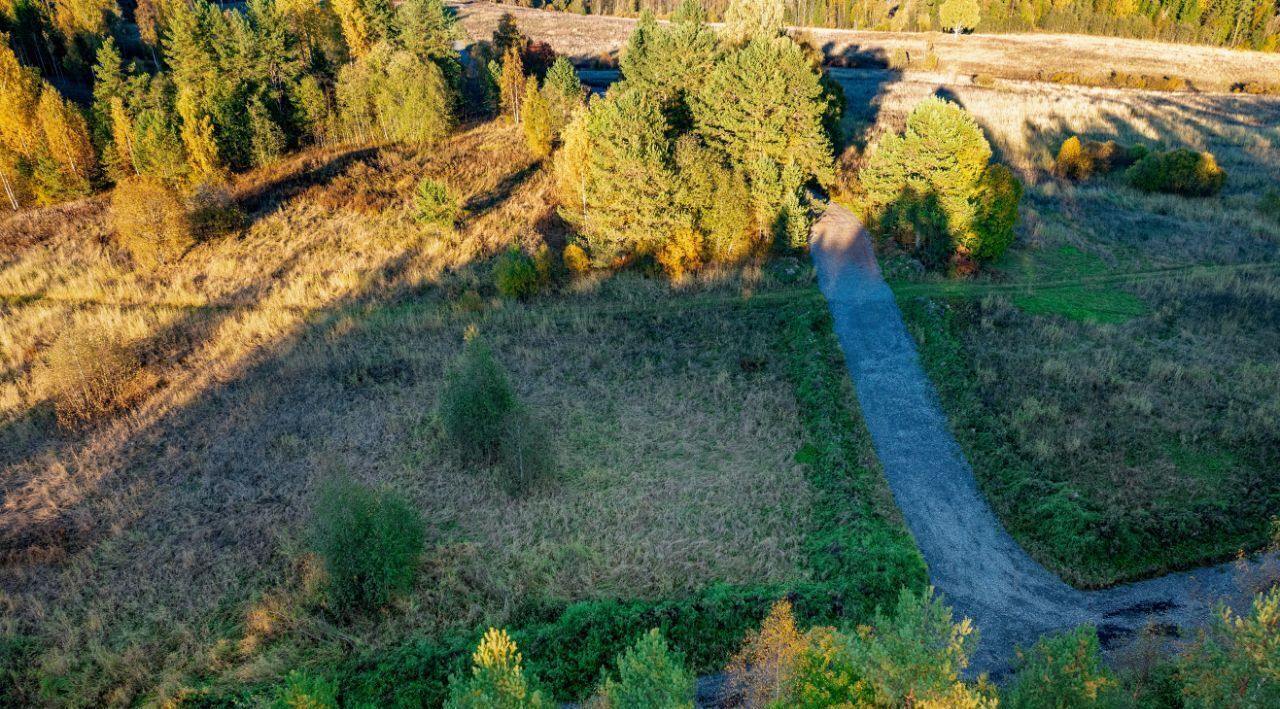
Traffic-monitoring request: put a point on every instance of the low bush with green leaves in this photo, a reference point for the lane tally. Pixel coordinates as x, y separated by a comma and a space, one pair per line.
476, 400
306, 691
369, 543
1182, 171
434, 204
517, 274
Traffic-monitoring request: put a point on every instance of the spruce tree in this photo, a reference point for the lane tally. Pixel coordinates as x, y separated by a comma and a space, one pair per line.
563, 93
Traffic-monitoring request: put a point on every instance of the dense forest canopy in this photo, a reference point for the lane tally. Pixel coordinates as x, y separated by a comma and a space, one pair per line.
1248, 24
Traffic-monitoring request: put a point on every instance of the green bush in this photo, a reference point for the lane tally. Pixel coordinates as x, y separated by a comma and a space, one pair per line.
368, 542
1181, 171
304, 691
526, 453
650, 675
917, 224
433, 203
517, 274
1234, 662
997, 198
1063, 670
476, 401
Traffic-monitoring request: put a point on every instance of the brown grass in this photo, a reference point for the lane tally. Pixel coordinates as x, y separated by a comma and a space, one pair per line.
1007, 56
316, 339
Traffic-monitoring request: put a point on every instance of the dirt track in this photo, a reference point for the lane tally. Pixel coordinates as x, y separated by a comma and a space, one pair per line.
972, 560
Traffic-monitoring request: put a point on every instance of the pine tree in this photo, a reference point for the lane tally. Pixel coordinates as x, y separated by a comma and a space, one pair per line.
650, 674
671, 62
629, 182
942, 151
763, 107
537, 121
157, 147
427, 29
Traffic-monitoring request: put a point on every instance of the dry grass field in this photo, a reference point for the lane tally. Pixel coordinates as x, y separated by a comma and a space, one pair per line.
1010, 56
163, 545
1114, 379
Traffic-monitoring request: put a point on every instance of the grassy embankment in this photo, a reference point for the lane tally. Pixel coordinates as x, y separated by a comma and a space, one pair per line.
709, 454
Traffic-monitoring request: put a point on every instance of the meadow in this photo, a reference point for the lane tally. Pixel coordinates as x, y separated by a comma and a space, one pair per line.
1113, 378
706, 461
956, 59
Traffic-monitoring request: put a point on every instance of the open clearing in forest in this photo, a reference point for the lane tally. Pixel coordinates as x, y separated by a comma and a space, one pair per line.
165, 547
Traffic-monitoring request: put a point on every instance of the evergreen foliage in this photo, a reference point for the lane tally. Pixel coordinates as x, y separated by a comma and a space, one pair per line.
943, 157
649, 675
563, 93
1063, 670
497, 679
1235, 661
434, 204
369, 543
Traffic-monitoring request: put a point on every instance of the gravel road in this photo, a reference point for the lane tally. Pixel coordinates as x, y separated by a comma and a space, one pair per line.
983, 573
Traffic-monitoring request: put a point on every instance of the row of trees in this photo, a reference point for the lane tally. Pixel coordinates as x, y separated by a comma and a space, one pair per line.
913, 656
210, 90
704, 149
1252, 24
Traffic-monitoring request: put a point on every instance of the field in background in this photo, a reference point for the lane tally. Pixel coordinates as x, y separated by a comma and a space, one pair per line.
1114, 380
165, 548
1009, 56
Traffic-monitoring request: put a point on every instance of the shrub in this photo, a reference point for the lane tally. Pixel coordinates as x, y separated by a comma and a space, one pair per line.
433, 203
368, 542
89, 376
997, 198
649, 674
681, 254
1061, 670
1183, 172
576, 259
985, 81
1073, 161
476, 400
930, 61
1233, 663
212, 211
497, 678
898, 58
304, 691
517, 274
1106, 155
150, 221
526, 453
